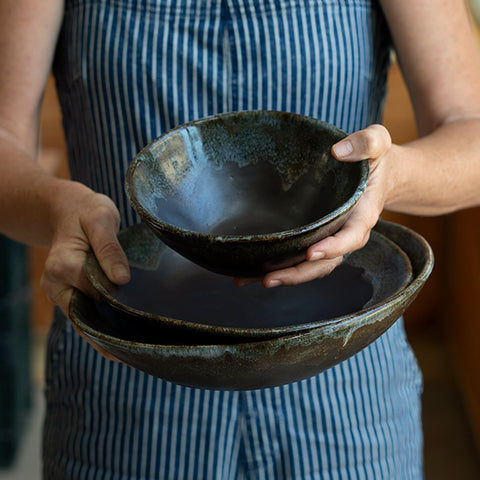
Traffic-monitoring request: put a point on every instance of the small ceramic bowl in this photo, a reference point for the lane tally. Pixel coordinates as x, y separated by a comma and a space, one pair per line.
215, 363
245, 193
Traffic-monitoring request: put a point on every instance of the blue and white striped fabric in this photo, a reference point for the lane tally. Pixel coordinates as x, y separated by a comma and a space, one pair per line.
128, 70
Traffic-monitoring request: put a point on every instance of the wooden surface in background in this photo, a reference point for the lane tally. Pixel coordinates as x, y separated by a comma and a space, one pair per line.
461, 304
462, 317
449, 299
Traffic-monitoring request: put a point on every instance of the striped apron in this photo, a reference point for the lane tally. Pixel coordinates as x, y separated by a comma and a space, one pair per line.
127, 71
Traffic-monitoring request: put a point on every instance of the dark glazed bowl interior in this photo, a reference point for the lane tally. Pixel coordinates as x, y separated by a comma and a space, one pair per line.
167, 289
200, 361
246, 192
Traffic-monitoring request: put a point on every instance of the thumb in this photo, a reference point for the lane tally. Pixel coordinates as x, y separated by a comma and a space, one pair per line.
111, 258
102, 236
369, 143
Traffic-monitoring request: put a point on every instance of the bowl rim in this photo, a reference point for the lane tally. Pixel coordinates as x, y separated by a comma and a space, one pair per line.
163, 226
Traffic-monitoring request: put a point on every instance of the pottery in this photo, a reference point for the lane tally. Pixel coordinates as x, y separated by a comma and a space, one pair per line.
183, 359
245, 193
166, 288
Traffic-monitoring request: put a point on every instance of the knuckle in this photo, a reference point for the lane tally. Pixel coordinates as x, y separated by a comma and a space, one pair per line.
360, 239
330, 268
108, 250
364, 240
104, 214
337, 261
290, 280
382, 132
53, 290
376, 140
62, 267
371, 142
54, 269
100, 211
361, 236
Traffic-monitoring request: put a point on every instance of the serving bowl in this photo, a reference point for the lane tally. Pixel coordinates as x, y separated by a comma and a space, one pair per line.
166, 288
183, 358
245, 193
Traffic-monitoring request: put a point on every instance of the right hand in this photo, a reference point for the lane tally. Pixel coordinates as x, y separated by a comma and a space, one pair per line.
83, 221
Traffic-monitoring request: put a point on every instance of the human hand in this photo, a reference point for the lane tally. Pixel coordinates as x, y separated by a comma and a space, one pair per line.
372, 143
83, 220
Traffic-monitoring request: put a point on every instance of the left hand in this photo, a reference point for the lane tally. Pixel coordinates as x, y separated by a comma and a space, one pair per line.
373, 143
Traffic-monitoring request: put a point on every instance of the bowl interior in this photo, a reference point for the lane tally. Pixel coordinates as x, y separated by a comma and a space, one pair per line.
243, 173
102, 319
172, 290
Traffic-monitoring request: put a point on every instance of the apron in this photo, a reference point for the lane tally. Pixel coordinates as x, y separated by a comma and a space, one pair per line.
127, 71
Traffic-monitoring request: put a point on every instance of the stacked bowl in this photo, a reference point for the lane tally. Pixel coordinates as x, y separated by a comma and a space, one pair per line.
241, 194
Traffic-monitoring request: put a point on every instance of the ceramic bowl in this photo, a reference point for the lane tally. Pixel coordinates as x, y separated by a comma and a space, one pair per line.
184, 359
166, 288
245, 193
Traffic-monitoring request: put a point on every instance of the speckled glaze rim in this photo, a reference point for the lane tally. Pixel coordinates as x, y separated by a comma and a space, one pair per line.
156, 223
400, 301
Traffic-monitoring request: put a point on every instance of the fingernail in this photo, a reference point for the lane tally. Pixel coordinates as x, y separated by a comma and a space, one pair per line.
273, 283
120, 273
316, 256
343, 148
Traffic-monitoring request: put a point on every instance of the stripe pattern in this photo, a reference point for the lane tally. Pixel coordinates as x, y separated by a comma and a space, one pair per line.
127, 71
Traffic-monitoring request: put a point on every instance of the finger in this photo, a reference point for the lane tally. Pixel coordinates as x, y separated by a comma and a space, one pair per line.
369, 143
356, 231
301, 273
241, 281
346, 240
102, 234
353, 236
59, 296
61, 272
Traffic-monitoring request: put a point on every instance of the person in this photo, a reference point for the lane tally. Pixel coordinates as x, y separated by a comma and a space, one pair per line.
127, 71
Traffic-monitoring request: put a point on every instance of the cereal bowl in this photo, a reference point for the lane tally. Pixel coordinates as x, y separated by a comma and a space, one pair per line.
245, 193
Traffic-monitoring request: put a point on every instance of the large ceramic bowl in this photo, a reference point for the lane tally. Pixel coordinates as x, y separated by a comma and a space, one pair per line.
166, 288
247, 192
185, 360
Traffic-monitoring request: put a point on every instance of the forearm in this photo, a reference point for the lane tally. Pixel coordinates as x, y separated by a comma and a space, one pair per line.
31, 199
438, 173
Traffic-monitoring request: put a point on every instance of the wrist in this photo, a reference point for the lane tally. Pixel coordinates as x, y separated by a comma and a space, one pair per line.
65, 201
397, 176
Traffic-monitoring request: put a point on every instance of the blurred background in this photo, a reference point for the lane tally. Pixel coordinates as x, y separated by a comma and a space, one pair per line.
443, 324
